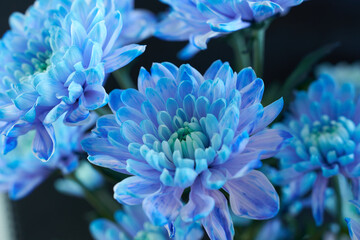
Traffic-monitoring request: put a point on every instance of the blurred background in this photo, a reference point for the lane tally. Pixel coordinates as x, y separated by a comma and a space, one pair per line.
48, 215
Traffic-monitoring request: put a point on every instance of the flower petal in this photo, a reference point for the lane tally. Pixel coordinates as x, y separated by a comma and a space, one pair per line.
268, 141
109, 162
94, 97
213, 179
133, 190
354, 229
184, 177
44, 142
122, 56
199, 205
270, 113
252, 196
239, 165
318, 198
23, 187
218, 223
163, 207
100, 146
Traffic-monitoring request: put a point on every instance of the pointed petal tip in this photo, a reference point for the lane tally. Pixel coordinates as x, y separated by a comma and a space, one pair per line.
170, 228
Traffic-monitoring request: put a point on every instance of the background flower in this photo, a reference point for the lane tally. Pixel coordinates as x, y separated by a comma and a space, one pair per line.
132, 223
200, 20
56, 58
342, 73
21, 171
325, 124
183, 129
273, 230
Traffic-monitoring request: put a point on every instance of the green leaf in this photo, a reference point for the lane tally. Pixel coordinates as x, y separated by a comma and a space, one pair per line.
304, 67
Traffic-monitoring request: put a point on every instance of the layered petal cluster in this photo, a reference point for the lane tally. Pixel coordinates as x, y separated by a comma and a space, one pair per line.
55, 59
200, 20
187, 130
21, 171
354, 226
325, 124
132, 224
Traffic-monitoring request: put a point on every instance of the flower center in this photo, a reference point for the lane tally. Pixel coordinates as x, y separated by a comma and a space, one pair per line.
36, 59
332, 140
188, 138
41, 61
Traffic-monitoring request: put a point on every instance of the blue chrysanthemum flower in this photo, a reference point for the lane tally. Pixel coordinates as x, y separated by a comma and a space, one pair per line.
21, 171
200, 20
187, 130
325, 124
55, 59
132, 223
354, 226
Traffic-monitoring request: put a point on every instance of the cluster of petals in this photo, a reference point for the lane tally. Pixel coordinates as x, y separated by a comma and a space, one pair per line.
325, 123
181, 130
55, 59
200, 20
21, 172
132, 223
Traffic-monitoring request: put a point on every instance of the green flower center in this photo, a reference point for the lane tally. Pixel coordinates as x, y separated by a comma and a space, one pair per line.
189, 138
37, 62
332, 139
41, 62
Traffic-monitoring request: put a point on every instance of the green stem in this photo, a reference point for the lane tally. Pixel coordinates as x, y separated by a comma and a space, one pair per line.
100, 200
249, 47
109, 175
239, 43
122, 77
259, 50
103, 111
96, 201
339, 201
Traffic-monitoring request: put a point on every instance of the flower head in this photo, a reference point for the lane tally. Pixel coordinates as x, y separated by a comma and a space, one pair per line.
325, 124
55, 59
21, 171
187, 130
132, 223
198, 21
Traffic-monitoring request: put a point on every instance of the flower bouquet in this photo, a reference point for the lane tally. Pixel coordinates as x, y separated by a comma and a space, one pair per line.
178, 152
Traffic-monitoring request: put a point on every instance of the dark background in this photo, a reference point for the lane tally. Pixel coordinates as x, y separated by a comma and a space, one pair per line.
48, 215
